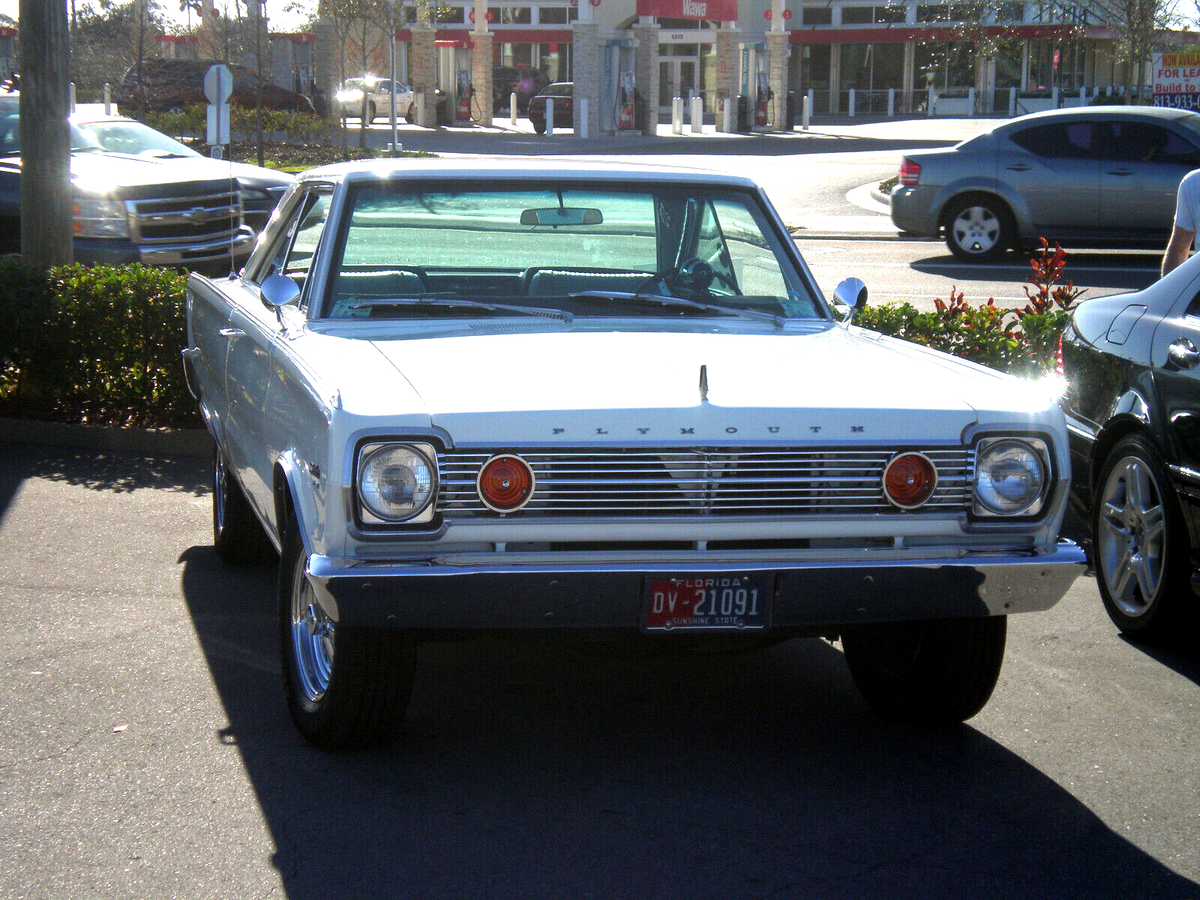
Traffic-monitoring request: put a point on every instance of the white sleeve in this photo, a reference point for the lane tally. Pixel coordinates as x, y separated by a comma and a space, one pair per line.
1187, 203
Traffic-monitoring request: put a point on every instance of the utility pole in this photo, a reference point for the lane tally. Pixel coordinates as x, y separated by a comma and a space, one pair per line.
46, 233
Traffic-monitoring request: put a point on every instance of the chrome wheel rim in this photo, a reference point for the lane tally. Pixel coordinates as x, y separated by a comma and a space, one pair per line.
1131, 539
976, 229
313, 635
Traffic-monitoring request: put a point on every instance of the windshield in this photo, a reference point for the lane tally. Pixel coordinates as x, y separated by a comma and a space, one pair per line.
134, 138
10, 136
597, 250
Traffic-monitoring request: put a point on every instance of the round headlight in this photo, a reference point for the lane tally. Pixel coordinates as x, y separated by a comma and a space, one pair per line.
1010, 477
909, 480
396, 482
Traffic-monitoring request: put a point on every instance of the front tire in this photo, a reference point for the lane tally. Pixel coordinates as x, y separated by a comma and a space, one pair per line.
1141, 544
347, 688
237, 535
930, 673
978, 229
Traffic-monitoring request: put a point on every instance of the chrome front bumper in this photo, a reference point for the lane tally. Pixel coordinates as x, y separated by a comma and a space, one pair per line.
813, 595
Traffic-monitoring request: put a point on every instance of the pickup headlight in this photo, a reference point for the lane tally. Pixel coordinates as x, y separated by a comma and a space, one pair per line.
99, 217
1011, 477
396, 483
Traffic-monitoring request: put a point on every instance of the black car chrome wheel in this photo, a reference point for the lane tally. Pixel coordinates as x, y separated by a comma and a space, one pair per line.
1141, 545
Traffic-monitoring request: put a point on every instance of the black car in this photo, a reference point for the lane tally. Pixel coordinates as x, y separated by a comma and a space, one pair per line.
1132, 401
564, 114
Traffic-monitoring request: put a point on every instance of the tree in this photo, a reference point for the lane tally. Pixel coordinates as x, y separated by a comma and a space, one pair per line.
357, 26
1137, 25
46, 235
108, 38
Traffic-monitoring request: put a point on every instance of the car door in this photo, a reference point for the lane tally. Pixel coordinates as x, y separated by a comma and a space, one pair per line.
1175, 361
1141, 166
254, 331
1055, 169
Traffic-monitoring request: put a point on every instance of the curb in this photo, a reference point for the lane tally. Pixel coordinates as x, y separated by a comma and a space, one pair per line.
185, 442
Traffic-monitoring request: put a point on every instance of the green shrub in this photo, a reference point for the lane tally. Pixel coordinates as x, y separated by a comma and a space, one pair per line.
94, 345
1022, 341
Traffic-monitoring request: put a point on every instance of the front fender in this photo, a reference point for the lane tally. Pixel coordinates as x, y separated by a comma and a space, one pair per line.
295, 486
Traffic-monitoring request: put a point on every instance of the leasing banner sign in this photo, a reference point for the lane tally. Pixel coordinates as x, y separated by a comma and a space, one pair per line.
713, 10
1177, 79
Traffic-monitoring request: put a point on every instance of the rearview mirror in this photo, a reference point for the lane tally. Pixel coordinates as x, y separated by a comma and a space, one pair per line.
562, 215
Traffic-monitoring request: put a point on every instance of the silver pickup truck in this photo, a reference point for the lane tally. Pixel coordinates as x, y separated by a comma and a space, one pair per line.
132, 210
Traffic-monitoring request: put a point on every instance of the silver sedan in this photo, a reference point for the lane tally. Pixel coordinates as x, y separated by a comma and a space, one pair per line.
1100, 176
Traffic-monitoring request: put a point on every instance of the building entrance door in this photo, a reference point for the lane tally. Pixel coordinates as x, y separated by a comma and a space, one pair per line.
676, 78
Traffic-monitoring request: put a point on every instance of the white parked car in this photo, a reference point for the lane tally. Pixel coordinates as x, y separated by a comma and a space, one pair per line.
349, 97
604, 400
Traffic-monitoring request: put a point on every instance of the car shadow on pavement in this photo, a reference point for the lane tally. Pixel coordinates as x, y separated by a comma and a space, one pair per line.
534, 768
97, 470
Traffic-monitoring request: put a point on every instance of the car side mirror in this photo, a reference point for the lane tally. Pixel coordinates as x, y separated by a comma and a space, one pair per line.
278, 291
849, 297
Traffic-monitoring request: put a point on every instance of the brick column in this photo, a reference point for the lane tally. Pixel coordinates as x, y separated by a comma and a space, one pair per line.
777, 77
645, 70
422, 70
727, 72
481, 77
587, 74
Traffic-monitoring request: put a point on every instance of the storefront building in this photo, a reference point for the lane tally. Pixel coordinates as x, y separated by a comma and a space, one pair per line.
880, 56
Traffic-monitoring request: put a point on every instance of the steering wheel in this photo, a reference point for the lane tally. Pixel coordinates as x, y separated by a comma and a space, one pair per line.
694, 275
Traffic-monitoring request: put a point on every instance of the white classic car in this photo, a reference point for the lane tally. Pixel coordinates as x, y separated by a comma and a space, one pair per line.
458, 396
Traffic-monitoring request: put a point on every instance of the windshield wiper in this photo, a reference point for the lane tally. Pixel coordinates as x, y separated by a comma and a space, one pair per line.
464, 304
664, 300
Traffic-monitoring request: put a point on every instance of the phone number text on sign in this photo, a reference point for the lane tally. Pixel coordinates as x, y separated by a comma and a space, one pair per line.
722, 601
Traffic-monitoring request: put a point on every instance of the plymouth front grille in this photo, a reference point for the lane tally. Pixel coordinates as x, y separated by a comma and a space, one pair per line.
194, 218
713, 482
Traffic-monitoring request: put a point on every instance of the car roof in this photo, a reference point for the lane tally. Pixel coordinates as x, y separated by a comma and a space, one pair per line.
484, 171
1102, 112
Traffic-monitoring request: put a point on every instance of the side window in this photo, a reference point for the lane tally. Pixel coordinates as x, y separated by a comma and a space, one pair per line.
735, 244
1058, 140
297, 243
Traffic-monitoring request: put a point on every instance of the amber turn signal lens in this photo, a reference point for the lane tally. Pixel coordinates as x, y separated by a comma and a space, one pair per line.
505, 483
909, 480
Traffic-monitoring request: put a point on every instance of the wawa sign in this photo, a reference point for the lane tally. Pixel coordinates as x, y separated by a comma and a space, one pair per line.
713, 10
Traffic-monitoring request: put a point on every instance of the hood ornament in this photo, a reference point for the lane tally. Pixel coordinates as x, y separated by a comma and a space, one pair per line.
704, 384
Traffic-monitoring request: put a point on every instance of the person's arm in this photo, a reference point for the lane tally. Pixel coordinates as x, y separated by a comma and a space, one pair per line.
1178, 248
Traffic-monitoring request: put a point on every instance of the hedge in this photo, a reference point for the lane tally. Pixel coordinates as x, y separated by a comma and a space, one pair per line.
93, 345
101, 345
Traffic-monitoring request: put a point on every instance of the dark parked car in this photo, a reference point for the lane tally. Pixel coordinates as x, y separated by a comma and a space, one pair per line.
564, 114
1132, 402
260, 188
172, 84
1095, 176
524, 81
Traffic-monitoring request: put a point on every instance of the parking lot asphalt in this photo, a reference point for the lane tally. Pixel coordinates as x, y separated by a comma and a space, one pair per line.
145, 750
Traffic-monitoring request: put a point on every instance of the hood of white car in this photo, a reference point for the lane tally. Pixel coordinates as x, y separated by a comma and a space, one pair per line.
621, 387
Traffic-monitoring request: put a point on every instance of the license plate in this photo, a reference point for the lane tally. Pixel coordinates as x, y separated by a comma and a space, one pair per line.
708, 602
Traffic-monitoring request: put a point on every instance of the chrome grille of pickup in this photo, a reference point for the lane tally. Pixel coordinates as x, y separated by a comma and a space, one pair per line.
720, 481
196, 217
